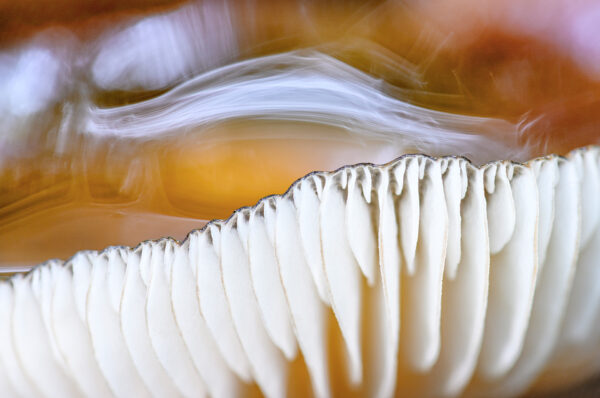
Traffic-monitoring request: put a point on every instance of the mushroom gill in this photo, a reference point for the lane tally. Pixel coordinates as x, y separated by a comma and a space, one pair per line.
421, 277
452, 252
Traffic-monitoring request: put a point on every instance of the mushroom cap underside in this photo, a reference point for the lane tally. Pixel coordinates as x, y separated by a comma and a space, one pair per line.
421, 277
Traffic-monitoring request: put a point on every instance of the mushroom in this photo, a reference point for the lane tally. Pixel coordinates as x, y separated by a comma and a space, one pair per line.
429, 276
420, 277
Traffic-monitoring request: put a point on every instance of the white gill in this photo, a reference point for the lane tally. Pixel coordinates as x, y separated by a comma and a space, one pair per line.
467, 280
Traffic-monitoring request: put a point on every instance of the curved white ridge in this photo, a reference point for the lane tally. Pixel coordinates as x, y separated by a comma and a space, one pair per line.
440, 277
311, 87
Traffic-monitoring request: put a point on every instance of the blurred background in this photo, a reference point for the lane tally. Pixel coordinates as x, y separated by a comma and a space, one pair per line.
122, 121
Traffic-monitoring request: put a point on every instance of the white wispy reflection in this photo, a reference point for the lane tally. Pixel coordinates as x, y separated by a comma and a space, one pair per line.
32, 82
157, 51
29, 81
308, 86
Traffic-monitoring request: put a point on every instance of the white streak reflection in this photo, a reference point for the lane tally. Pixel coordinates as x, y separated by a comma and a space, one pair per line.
308, 86
160, 50
30, 81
